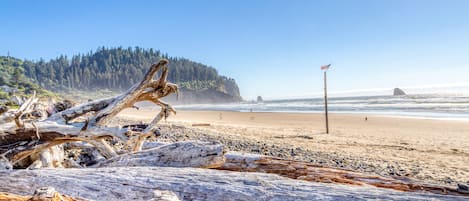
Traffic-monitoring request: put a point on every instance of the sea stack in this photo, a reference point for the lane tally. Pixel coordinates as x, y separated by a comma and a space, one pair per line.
259, 99
398, 92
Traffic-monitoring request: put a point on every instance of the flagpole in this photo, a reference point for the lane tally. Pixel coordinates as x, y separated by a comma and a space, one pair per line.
325, 102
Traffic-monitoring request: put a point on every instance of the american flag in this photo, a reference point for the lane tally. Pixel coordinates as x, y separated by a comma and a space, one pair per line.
325, 67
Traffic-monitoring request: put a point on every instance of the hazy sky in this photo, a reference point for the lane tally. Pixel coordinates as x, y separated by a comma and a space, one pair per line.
271, 48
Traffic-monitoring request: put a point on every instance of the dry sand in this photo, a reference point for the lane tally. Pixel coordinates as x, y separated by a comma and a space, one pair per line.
433, 151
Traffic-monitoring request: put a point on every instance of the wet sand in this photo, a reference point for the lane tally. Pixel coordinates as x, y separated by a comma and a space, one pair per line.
432, 151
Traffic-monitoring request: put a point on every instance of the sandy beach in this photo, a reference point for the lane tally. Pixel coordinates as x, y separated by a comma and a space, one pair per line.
431, 151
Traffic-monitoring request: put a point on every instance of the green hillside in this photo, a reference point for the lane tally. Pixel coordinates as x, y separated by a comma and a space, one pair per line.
116, 69
14, 82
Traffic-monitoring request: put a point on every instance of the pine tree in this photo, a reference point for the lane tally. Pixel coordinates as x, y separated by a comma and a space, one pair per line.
118, 69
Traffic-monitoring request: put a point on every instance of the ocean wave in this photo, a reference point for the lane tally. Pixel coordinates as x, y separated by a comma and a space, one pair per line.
412, 105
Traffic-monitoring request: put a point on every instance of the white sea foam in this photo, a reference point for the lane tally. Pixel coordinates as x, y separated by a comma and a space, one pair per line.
447, 106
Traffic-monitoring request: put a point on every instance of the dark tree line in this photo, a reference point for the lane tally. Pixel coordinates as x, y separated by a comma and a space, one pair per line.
119, 68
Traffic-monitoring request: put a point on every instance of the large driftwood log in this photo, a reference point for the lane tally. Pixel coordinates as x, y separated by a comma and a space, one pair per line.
19, 140
243, 162
138, 183
179, 154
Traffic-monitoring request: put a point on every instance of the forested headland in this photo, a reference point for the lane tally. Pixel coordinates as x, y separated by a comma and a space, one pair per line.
116, 69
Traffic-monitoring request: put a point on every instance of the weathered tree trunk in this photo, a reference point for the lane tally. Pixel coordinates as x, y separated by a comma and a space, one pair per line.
179, 154
19, 140
242, 162
139, 183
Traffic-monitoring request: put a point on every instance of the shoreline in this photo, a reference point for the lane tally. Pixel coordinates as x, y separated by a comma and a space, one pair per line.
431, 151
376, 114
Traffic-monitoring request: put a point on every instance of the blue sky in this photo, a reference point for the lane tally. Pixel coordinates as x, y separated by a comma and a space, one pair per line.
272, 48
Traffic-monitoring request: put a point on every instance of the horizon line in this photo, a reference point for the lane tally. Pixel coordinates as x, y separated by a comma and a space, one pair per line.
382, 89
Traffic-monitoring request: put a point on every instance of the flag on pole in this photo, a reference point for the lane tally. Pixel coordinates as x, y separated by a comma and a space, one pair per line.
325, 67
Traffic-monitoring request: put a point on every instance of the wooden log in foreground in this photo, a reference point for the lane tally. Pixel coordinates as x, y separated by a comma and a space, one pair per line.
242, 162
116, 180
139, 183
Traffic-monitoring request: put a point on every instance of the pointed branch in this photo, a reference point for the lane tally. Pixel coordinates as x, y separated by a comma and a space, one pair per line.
127, 99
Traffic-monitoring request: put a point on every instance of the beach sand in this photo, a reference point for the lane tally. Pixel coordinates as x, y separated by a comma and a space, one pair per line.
431, 151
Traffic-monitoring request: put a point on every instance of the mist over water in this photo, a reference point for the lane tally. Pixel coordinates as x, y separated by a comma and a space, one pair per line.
448, 103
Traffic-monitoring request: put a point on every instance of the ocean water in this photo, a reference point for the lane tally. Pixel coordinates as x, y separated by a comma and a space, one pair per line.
440, 106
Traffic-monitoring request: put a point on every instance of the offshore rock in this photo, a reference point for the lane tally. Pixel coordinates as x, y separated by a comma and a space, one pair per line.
398, 92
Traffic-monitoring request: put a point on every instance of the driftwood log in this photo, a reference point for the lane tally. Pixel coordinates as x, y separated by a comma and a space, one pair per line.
179, 154
243, 162
20, 140
139, 183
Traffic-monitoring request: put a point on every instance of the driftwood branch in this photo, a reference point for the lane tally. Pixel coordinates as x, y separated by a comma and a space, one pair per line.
9, 116
20, 140
129, 98
241, 162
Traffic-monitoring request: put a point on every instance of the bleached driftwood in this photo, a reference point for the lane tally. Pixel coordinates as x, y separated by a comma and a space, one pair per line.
243, 162
20, 140
164, 196
138, 183
147, 90
32, 139
40, 194
16, 115
52, 157
179, 154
